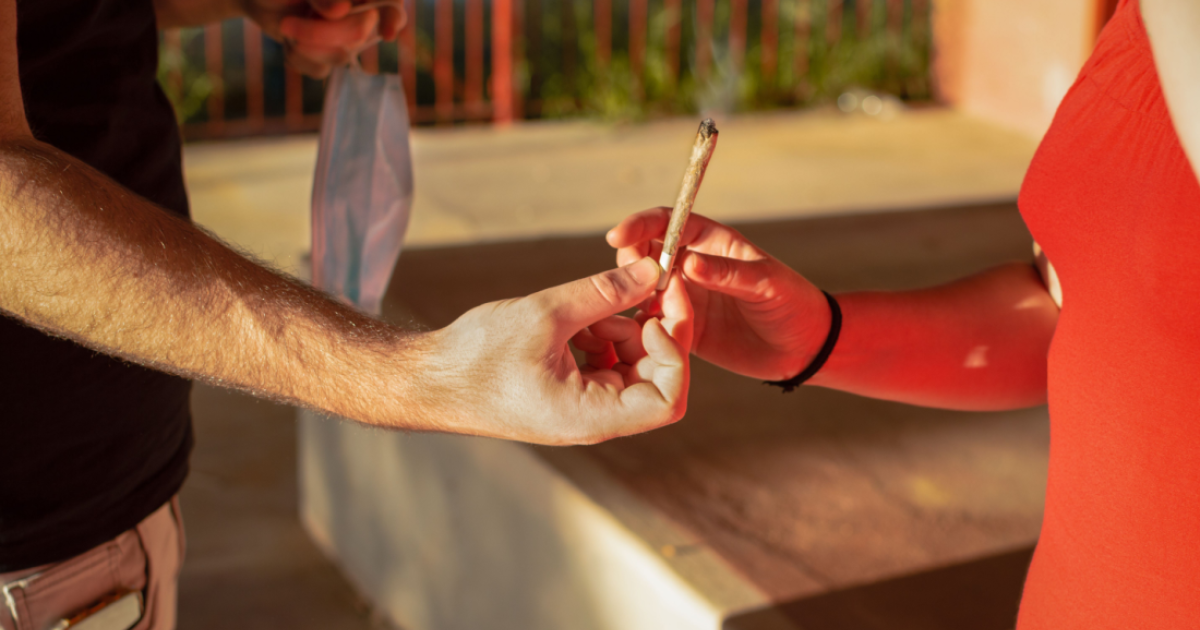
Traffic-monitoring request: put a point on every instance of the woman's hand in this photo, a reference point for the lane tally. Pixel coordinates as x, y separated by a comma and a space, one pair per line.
753, 315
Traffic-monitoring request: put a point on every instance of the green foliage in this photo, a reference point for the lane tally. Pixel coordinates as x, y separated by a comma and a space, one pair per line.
807, 71
563, 74
185, 83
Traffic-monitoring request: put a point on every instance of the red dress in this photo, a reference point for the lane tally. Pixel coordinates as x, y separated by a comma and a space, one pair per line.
1112, 199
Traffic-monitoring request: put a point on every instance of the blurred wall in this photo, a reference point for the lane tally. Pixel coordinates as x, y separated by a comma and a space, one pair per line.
1012, 61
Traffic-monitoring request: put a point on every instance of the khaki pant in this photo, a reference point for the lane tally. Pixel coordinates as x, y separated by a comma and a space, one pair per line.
146, 558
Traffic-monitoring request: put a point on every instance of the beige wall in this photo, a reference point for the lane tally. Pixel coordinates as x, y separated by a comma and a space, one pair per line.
1011, 61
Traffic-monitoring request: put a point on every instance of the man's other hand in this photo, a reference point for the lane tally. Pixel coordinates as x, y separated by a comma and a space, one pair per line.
505, 369
319, 35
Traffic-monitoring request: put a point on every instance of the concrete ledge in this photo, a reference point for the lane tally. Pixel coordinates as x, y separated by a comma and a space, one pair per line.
450, 532
756, 510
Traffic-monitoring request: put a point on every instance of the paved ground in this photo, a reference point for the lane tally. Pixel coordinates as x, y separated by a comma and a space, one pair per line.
542, 179
250, 564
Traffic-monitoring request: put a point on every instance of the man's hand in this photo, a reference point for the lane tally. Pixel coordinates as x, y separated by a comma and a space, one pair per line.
505, 369
319, 35
754, 315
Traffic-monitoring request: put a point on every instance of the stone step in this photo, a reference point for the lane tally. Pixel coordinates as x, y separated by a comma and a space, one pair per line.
756, 508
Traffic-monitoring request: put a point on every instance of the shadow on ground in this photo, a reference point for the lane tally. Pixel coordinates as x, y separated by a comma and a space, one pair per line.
983, 595
250, 564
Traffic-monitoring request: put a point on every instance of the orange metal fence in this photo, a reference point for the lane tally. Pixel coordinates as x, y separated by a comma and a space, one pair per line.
483, 60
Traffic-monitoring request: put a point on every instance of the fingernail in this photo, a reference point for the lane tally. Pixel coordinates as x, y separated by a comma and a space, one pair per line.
645, 271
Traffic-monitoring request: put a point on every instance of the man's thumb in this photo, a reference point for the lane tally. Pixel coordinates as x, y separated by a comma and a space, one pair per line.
588, 300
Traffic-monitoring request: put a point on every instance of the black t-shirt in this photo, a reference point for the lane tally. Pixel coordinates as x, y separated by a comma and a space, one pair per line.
89, 445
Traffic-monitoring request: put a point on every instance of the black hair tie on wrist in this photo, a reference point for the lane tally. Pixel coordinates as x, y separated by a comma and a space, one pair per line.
835, 329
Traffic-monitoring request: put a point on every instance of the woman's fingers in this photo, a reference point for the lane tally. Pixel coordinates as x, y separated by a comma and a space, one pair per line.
625, 336
640, 226
701, 234
626, 255
749, 281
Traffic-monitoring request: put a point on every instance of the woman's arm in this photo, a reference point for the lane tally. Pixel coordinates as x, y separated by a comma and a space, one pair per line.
979, 343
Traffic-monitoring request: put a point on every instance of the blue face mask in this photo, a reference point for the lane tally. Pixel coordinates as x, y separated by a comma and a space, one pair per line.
363, 187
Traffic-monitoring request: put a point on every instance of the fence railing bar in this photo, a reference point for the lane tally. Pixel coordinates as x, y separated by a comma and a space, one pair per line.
833, 22
252, 44
518, 58
704, 32
425, 114
293, 99
674, 29
173, 43
920, 12
737, 32
503, 79
769, 40
213, 65
473, 47
602, 27
637, 39
531, 41
443, 59
244, 127
801, 36
569, 42
895, 16
406, 55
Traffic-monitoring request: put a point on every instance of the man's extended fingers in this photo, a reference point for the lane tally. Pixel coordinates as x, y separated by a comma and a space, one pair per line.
742, 279
583, 302
625, 335
350, 32
589, 343
391, 22
332, 9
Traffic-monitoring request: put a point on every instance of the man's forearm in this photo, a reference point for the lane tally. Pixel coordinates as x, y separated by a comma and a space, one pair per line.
979, 343
85, 259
